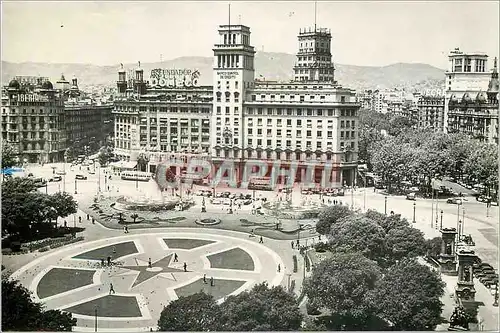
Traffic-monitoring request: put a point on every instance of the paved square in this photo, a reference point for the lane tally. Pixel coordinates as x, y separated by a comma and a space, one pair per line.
148, 271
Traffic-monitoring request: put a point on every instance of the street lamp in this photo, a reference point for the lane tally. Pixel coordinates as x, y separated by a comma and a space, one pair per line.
458, 217
441, 226
385, 205
463, 219
437, 204
414, 207
95, 322
76, 191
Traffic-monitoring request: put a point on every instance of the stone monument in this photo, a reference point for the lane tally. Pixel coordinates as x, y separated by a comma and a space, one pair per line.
447, 257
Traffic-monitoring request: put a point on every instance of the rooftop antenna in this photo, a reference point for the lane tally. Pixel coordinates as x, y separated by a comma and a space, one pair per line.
239, 19
161, 57
315, 12
229, 17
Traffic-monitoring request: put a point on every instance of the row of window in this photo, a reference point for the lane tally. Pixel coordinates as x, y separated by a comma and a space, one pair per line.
298, 133
302, 98
302, 112
298, 122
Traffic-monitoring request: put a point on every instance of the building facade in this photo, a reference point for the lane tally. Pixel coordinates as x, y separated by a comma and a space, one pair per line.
33, 120
476, 113
466, 73
43, 122
311, 121
161, 121
431, 112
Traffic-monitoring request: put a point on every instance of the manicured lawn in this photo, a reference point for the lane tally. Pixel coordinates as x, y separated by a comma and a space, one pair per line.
221, 288
60, 280
109, 306
185, 244
121, 250
232, 259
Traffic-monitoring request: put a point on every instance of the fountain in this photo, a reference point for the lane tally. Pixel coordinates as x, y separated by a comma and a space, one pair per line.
151, 197
295, 209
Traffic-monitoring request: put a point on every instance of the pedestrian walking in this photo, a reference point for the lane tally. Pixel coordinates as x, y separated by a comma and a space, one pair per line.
114, 250
185, 267
149, 263
79, 219
212, 281
298, 243
111, 289
102, 262
65, 224
126, 229
261, 240
292, 245
93, 221
88, 217
109, 260
279, 268
204, 278
176, 258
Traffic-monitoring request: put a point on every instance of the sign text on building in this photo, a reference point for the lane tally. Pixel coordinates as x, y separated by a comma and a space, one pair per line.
32, 98
174, 78
227, 75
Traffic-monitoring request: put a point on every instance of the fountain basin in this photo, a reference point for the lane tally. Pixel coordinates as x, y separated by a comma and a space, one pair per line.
285, 210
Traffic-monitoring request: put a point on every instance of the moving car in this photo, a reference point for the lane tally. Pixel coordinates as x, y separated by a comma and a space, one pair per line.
456, 201
81, 177
55, 179
411, 196
60, 172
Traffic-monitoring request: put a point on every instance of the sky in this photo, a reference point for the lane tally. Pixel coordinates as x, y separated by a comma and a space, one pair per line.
372, 33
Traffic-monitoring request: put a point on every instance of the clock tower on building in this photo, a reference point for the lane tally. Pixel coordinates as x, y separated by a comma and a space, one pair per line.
233, 74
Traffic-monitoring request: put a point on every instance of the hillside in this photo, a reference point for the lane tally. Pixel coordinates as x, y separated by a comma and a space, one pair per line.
272, 66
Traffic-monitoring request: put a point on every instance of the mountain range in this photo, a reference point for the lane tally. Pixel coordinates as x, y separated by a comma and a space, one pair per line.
270, 66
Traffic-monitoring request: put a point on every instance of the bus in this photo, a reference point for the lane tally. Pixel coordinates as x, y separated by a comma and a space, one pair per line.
136, 175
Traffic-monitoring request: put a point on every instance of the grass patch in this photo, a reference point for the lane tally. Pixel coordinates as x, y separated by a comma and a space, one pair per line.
232, 259
60, 280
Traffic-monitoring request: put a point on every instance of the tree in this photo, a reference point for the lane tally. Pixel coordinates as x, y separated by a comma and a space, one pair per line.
387, 222
64, 204
20, 313
341, 283
105, 154
196, 312
409, 296
331, 215
142, 162
399, 124
261, 309
482, 165
23, 207
434, 246
358, 234
9, 156
405, 242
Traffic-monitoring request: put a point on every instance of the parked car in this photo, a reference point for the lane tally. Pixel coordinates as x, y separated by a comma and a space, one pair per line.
456, 201
91, 172
55, 179
60, 172
81, 177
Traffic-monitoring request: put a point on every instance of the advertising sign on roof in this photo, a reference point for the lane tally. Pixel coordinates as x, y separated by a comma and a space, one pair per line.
174, 78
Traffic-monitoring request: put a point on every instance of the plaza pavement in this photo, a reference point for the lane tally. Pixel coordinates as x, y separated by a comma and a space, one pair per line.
480, 223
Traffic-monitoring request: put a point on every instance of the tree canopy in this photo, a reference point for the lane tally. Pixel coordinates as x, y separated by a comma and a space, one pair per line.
408, 295
196, 312
9, 155
261, 309
20, 313
358, 234
24, 207
340, 284
329, 216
